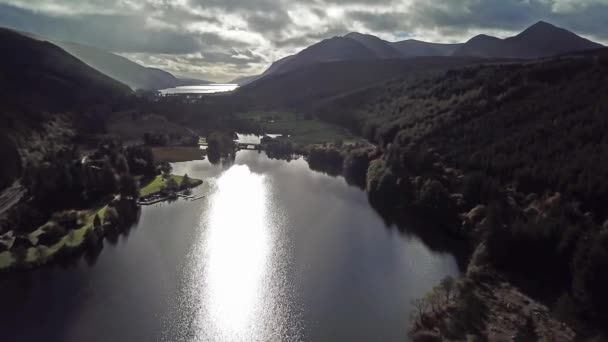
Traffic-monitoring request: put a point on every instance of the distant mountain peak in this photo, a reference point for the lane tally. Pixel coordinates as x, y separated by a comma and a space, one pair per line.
539, 40
411, 40
379, 47
418, 48
364, 37
544, 28
541, 24
359, 35
353, 34
542, 39
482, 37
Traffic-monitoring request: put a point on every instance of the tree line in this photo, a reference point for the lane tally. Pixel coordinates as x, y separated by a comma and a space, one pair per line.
522, 146
66, 179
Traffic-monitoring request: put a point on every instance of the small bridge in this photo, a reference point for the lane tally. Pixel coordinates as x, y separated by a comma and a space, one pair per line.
248, 146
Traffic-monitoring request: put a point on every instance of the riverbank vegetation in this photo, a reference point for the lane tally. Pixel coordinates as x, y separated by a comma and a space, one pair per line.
65, 233
107, 180
221, 145
491, 154
61, 188
299, 129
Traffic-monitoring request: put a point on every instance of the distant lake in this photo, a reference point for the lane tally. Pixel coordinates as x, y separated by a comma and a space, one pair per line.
201, 89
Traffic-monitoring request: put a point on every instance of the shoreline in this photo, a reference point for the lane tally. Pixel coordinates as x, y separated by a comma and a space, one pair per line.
86, 237
457, 220
39, 255
435, 194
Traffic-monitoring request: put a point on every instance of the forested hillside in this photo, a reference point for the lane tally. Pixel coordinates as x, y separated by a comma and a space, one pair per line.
308, 86
510, 155
38, 79
539, 40
124, 70
540, 125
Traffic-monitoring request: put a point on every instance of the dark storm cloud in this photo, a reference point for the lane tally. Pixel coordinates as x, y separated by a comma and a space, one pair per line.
497, 14
239, 5
271, 23
122, 33
175, 14
355, 2
447, 16
380, 22
213, 40
592, 21
458, 17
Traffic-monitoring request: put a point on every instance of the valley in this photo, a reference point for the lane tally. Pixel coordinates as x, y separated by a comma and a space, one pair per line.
399, 191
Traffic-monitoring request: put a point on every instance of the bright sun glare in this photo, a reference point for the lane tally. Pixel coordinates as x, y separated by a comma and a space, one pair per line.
237, 253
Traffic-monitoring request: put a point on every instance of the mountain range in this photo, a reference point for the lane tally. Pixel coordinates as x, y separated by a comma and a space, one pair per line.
36, 71
540, 40
124, 70
310, 85
40, 77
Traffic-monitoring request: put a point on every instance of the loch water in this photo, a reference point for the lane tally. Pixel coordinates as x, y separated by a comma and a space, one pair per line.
273, 252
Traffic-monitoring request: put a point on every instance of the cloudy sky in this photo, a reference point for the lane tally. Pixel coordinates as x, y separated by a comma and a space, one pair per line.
221, 39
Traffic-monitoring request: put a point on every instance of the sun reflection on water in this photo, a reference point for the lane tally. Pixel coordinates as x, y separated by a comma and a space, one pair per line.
237, 249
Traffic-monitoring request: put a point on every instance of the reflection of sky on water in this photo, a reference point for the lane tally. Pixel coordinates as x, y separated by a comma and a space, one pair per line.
273, 252
234, 285
201, 89
287, 253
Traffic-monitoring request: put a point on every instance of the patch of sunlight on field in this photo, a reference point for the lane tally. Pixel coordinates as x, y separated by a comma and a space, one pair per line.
42, 253
6, 260
300, 131
160, 183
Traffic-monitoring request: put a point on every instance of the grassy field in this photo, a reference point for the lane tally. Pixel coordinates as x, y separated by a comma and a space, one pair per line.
6, 260
300, 131
306, 132
130, 126
177, 154
159, 183
42, 254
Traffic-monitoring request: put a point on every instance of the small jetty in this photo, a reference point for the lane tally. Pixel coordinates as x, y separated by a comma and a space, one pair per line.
152, 201
248, 146
192, 198
157, 199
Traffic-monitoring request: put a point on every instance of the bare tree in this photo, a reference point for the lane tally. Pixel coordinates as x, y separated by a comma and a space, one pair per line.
421, 308
448, 287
